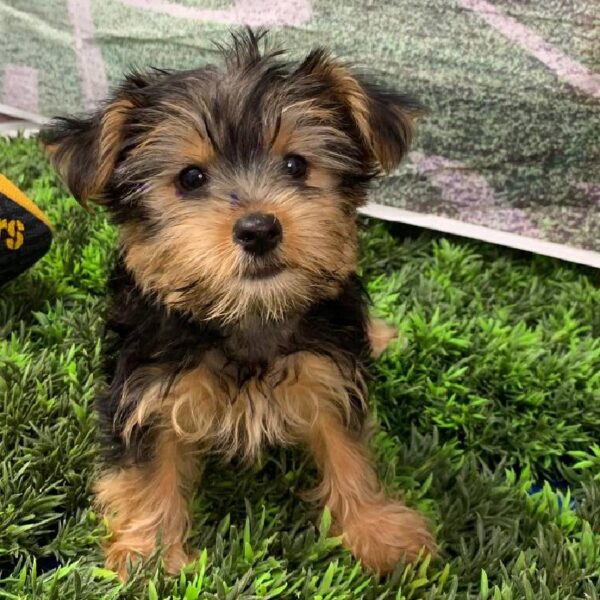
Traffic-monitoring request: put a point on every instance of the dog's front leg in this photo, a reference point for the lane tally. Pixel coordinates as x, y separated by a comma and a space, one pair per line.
148, 502
377, 529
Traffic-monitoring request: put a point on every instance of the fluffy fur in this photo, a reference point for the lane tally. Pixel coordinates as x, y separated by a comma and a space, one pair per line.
217, 349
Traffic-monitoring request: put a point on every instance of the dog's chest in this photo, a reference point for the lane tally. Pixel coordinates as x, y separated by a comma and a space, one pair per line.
254, 343
234, 410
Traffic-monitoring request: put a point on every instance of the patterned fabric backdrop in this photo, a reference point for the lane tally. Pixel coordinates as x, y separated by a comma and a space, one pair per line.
509, 153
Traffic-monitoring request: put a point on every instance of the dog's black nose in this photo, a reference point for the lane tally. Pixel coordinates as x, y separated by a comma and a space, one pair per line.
257, 233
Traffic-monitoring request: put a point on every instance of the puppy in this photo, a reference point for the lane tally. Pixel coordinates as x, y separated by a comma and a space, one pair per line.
240, 320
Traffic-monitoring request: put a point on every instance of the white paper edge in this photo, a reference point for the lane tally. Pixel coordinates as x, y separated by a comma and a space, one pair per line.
486, 234
17, 113
23, 128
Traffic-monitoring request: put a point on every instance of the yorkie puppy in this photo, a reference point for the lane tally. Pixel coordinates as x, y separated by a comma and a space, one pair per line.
240, 319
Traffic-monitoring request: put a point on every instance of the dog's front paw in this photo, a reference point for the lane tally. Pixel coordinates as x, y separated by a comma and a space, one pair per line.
380, 534
121, 555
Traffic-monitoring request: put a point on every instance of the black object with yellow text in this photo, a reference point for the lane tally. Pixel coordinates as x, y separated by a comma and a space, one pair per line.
25, 233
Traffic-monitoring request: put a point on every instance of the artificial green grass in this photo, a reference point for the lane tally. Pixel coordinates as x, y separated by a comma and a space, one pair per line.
493, 388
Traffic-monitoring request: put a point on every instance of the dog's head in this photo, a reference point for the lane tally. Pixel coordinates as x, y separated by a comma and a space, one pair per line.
236, 189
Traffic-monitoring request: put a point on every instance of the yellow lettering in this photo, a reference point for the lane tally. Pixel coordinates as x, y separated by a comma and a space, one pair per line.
16, 239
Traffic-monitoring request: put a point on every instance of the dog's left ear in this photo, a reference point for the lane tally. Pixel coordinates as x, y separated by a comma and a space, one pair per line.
383, 117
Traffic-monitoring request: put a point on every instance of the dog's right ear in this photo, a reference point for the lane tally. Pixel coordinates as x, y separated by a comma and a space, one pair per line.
84, 150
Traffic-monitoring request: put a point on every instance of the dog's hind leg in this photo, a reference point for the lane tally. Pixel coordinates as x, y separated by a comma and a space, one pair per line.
380, 335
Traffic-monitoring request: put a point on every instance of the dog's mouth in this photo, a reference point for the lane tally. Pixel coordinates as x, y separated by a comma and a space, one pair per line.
259, 270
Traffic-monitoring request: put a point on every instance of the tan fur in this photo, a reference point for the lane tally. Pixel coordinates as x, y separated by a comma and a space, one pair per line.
380, 335
280, 142
377, 529
321, 178
146, 503
206, 407
111, 131
351, 92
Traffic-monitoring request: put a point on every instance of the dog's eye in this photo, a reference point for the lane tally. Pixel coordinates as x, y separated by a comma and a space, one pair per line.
191, 178
295, 165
